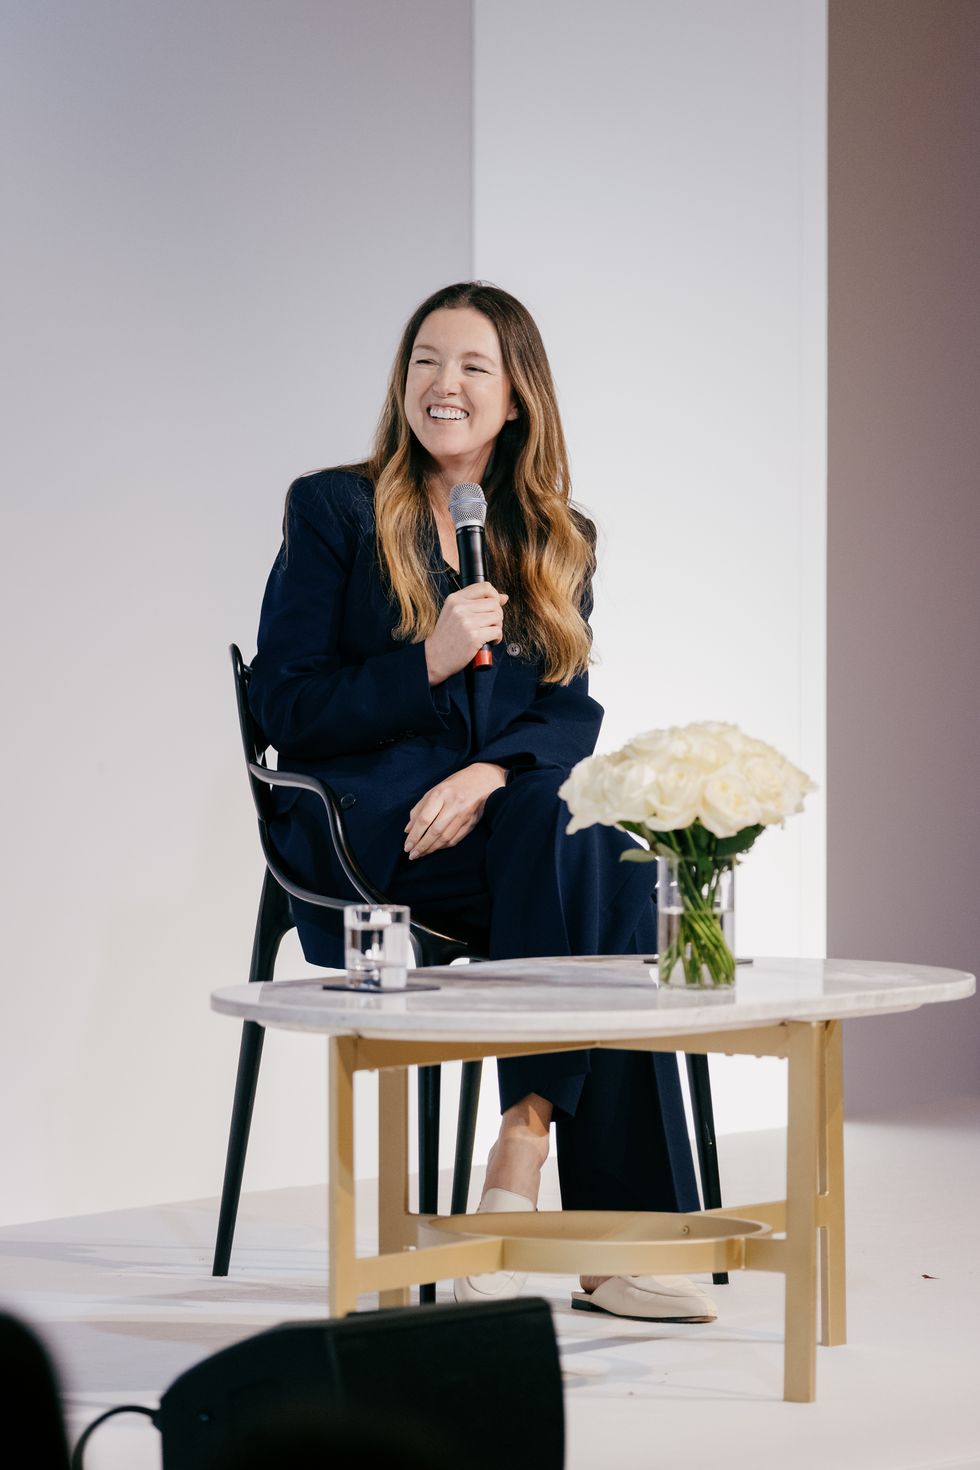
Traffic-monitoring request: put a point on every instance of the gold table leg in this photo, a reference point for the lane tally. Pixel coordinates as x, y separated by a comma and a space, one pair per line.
833, 1308
805, 1066
392, 1172
341, 1242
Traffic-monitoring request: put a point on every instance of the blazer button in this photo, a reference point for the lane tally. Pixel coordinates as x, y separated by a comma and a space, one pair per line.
347, 800
515, 650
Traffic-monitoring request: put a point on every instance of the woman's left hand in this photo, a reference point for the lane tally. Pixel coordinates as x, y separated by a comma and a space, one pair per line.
444, 815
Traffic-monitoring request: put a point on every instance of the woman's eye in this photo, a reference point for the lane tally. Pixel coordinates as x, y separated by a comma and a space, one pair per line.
474, 369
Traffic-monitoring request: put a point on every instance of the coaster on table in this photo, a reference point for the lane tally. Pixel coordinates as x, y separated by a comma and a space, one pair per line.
352, 989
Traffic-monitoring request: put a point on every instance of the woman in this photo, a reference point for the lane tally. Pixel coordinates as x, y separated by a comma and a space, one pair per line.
449, 777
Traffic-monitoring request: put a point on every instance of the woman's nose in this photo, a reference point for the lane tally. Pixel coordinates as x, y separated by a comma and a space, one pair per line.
447, 379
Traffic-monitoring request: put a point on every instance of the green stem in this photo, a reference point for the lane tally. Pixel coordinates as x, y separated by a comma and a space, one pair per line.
700, 944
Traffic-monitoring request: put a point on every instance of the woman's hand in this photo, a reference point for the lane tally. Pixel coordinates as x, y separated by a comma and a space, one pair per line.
468, 619
444, 815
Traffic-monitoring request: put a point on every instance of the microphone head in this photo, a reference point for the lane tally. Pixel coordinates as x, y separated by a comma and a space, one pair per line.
467, 506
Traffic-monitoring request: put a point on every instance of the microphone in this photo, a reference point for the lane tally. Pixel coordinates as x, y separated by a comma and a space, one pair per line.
468, 508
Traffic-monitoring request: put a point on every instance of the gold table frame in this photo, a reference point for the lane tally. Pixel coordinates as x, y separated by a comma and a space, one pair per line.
801, 1237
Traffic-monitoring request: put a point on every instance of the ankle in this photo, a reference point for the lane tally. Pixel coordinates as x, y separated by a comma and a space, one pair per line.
519, 1136
515, 1163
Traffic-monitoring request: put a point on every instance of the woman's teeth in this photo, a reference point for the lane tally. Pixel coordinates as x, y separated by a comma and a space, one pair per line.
447, 413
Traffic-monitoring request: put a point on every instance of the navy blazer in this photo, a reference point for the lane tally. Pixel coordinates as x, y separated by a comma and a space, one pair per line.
339, 697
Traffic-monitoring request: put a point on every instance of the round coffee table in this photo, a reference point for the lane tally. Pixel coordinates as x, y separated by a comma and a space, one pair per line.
781, 1008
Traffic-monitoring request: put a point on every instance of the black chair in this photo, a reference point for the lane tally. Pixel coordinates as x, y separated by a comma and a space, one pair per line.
274, 920
430, 947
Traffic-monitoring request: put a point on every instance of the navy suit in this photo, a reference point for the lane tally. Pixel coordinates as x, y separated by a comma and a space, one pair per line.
340, 698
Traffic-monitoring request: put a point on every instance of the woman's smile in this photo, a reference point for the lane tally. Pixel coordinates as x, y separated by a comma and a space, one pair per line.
445, 413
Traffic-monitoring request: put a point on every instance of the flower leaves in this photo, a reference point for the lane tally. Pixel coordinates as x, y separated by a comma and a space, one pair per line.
728, 847
695, 842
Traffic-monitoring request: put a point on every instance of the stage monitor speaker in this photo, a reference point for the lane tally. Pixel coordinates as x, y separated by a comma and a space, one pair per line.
454, 1385
29, 1399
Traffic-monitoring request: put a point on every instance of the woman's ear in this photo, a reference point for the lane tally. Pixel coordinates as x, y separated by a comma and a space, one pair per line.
514, 412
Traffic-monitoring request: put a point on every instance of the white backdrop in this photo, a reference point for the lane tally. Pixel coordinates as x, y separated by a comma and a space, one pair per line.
214, 230
654, 189
222, 216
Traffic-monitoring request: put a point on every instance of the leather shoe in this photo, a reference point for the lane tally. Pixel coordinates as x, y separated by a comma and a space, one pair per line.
648, 1299
494, 1286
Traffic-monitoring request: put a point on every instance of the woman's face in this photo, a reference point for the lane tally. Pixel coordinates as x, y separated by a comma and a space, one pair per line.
457, 395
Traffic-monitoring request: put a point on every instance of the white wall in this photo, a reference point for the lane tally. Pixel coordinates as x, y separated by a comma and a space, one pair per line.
214, 228
649, 178
904, 526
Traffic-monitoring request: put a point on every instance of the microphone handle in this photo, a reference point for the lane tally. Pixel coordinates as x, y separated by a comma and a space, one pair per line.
470, 544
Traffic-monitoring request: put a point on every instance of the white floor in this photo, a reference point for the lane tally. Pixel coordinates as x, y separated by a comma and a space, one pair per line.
126, 1302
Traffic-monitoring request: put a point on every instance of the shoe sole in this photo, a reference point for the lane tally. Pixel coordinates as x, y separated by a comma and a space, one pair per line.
582, 1304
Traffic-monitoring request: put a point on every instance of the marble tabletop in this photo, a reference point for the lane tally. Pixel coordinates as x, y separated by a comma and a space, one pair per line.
598, 998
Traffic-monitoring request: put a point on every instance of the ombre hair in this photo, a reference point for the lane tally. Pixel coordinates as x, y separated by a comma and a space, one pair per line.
540, 548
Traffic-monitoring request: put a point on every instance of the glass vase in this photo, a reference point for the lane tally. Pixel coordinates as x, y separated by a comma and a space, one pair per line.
695, 922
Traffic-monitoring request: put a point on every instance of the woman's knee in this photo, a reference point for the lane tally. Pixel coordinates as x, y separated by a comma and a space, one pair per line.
527, 792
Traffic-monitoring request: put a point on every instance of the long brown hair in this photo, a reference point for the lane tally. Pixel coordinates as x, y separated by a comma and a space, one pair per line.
540, 549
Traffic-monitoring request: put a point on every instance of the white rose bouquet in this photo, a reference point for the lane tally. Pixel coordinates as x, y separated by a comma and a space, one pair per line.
699, 796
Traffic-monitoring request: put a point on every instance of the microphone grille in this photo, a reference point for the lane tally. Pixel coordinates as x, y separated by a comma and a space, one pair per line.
467, 505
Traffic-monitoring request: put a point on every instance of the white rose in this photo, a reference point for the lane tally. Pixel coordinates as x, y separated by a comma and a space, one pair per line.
723, 733
709, 746
652, 745
590, 793
796, 785
764, 780
727, 803
632, 788
674, 798
777, 786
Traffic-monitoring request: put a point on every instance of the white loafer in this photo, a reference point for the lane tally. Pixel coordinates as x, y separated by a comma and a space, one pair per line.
494, 1286
648, 1299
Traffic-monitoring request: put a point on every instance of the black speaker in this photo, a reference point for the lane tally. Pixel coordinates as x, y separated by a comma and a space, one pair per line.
455, 1385
29, 1397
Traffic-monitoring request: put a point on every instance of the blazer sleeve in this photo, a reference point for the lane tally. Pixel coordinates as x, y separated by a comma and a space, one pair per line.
559, 728
309, 701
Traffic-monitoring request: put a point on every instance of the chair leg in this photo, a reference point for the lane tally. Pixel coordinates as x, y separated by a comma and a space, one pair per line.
273, 921
707, 1145
249, 1058
469, 1102
430, 1085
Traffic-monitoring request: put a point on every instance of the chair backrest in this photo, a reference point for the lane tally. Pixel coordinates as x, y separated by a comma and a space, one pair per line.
431, 946
254, 743
254, 746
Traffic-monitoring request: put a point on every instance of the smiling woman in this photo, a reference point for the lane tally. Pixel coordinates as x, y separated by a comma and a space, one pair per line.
450, 776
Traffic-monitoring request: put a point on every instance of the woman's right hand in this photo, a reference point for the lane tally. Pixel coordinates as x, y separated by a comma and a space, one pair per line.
469, 618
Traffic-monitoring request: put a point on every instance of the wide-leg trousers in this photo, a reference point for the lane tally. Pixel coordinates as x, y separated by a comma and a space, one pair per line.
518, 885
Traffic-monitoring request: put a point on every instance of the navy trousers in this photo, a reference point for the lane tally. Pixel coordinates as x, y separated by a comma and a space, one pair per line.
518, 886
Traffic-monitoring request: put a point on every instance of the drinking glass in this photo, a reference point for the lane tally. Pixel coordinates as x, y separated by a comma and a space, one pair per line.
377, 948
